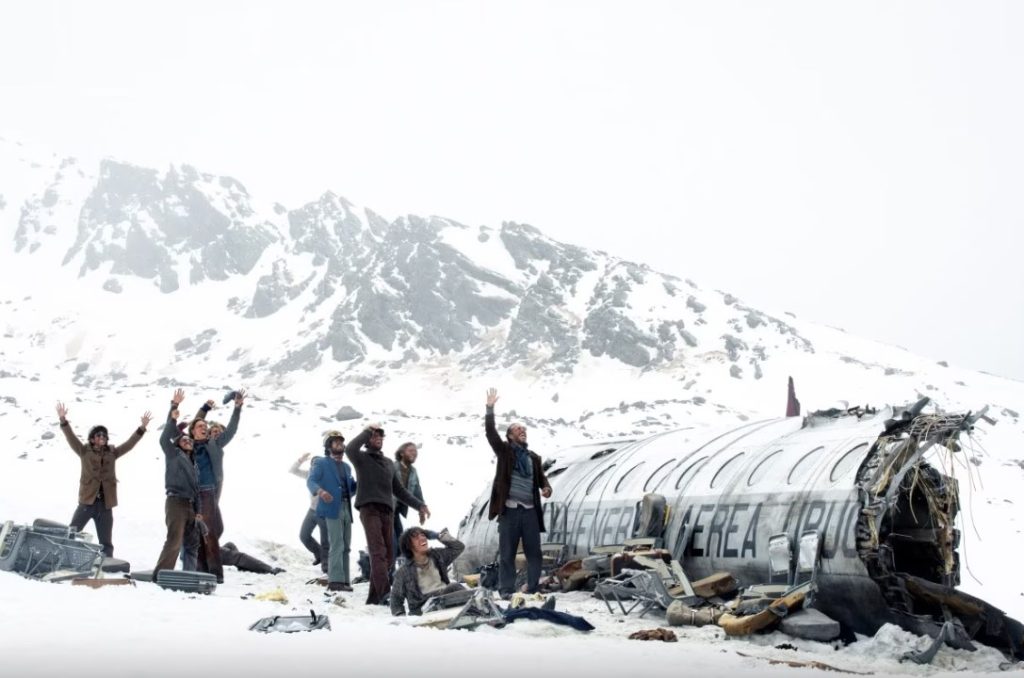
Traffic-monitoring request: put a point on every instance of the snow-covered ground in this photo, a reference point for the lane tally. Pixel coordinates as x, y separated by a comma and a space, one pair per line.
110, 357
51, 629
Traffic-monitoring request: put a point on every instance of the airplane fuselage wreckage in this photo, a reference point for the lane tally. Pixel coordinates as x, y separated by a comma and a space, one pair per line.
841, 498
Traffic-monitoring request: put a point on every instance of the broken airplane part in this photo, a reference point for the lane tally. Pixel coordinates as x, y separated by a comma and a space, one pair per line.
842, 497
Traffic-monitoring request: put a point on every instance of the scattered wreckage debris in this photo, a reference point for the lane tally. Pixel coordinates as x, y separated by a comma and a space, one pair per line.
810, 664
102, 583
838, 522
47, 551
280, 624
664, 635
482, 609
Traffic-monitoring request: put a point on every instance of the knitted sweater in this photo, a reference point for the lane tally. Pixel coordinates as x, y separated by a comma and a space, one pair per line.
377, 481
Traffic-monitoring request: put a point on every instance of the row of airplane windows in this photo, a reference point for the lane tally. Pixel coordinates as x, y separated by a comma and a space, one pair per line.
799, 469
660, 474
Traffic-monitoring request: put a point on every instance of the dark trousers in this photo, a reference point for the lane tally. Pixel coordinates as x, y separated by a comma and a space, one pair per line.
209, 539
378, 523
181, 519
200, 548
515, 524
102, 516
321, 551
395, 550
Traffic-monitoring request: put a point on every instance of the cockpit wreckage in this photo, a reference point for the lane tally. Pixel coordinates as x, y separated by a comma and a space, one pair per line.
838, 512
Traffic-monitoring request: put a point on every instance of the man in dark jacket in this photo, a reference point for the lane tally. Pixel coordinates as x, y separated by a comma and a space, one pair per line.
330, 479
425, 572
519, 483
181, 481
202, 547
379, 486
97, 484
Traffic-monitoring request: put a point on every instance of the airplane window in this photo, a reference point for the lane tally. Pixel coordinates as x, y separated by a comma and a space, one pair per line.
627, 474
602, 453
552, 474
691, 467
848, 461
482, 509
803, 465
650, 481
761, 469
721, 475
598, 477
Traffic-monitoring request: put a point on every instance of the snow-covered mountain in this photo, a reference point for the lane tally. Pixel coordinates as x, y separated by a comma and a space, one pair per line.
119, 283
273, 295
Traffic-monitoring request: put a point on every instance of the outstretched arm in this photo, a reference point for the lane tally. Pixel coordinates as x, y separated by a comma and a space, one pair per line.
295, 469
125, 447
73, 442
232, 426
497, 444
405, 495
171, 425
207, 406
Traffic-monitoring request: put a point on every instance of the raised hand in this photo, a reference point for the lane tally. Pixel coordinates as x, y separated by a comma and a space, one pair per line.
210, 405
239, 397
146, 418
304, 457
492, 396
179, 395
372, 425
62, 411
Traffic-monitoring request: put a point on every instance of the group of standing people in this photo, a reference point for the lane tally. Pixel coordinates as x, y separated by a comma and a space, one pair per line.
381, 490
378, 490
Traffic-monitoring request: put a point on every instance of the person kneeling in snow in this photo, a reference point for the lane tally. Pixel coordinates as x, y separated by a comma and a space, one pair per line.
425, 572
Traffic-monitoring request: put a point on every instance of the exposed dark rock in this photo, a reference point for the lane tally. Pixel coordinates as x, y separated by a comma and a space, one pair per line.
347, 413
48, 435
733, 346
112, 285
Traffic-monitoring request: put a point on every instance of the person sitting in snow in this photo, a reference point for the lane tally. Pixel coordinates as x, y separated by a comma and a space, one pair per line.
97, 484
425, 572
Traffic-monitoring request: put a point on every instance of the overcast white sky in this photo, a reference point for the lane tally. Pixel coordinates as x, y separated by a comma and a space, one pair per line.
860, 164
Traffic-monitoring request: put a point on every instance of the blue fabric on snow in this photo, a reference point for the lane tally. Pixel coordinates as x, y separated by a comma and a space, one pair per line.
553, 616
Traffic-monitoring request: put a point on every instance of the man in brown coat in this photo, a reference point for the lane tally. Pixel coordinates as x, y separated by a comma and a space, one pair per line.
97, 485
519, 483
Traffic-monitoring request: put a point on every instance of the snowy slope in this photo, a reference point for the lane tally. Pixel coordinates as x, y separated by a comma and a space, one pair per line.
327, 305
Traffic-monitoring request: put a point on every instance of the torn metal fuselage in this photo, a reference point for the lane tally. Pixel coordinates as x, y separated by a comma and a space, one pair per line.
907, 539
858, 479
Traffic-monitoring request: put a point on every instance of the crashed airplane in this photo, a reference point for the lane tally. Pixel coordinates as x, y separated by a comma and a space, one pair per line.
841, 497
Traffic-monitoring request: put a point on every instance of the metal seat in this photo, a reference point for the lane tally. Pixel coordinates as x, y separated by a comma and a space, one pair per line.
646, 589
